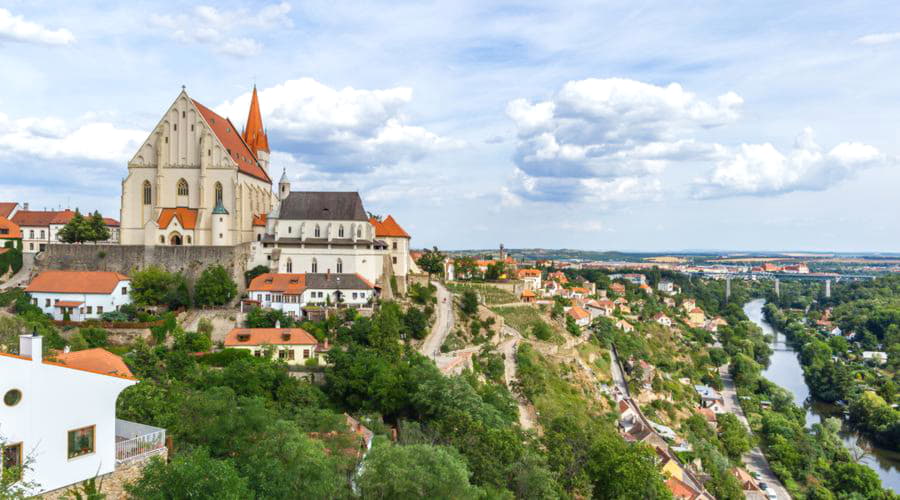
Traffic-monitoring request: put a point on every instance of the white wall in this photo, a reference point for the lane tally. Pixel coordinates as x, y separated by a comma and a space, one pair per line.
312, 297
366, 262
109, 302
55, 400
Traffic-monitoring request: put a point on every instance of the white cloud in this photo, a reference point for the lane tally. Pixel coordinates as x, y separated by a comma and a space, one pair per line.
52, 138
222, 29
594, 132
761, 170
879, 38
601, 193
347, 129
17, 29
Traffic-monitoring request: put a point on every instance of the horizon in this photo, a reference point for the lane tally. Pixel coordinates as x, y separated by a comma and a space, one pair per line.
567, 125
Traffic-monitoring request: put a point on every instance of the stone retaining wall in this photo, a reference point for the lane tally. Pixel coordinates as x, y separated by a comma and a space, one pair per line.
113, 484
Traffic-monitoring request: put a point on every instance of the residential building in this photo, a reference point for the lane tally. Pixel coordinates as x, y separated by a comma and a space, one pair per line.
688, 304
9, 231
294, 346
662, 319
579, 292
531, 277
8, 209
196, 180
710, 398
582, 318
646, 288
389, 231
79, 295
528, 296
617, 288
624, 326
601, 307
292, 292
59, 415
696, 317
667, 287
41, 228
876, 356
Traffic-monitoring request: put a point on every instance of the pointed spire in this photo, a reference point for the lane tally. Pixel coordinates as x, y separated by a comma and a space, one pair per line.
254, 132
283, 175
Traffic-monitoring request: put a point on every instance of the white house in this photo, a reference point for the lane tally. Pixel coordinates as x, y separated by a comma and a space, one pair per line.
876, 356
667, 287
290, 293
294, 346
582, 318
41, 227
531, 277
397, 239
601, 307
624, 326
80, 294
58, 416
662, 319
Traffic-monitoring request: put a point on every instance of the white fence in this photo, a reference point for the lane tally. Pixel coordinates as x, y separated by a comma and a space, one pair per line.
135, 441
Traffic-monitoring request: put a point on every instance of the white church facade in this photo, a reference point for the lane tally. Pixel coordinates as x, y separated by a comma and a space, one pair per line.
196, 180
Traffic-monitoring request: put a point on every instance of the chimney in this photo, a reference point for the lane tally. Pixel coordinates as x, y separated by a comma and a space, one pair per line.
25, 206
277, 323
31, 346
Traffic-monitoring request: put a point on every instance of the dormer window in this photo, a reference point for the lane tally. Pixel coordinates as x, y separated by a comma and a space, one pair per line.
286, 335
243, 337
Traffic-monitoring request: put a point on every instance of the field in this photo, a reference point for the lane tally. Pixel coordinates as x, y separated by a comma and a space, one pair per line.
491, 294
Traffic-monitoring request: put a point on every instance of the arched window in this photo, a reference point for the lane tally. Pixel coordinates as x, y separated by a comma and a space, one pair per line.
218, 193
189, 240
318, 233
290, 266
341, 232
182, 187
359, 232
340, 266
258, 237
315, 266
148, 192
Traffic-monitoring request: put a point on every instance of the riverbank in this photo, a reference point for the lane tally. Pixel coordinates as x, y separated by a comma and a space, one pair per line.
784, 369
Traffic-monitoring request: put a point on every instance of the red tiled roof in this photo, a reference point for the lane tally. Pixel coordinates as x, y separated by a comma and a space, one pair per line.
76, 282
528, 293
187, 217
269, 336
290, 284
34, 218
529, 273
6, 208
260, 220
97, 360
578, 313
388, 228
12, 229
680, 490
239, 150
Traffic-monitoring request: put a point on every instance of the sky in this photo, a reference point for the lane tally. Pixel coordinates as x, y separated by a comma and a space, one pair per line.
633, 126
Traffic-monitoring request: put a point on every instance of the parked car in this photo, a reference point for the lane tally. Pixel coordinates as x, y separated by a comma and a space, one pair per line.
763, 486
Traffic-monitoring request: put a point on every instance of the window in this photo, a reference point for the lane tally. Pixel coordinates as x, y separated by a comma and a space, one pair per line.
12, 460
291, 356
359, 233
12, 397
340, 266
315, 264
290, 266
162, 239
218, 192
81, 442
124, 290
268, 297
167, 140
42, 234
394, 259
175, 127
47, 303
318, 233
305, 353
31, 233
282, 353
192, 127
182, 187
341, 232
99, 309
182, 114
395, 245
31, 246
90, 309
289, 229
209, 152
189, 240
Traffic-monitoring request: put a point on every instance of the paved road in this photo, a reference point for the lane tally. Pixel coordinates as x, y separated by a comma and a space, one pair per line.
22, 277
754, 460
431, 347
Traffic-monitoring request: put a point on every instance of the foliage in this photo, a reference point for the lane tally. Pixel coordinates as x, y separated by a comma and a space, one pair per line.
423, 295
432, 262
415, 471
215, 287
194, 474
94, 337
154, 286
416, 323
267, 318
469, 303
252, 273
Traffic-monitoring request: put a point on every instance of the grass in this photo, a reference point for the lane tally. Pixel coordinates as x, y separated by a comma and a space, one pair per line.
544, 384
523, 319
491, 294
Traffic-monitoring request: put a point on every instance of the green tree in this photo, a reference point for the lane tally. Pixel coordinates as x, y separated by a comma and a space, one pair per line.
77, 230
153, 286
469, 302
465, 267
94, 337
96, 228
734, 436
256, 271
190, 475
432, 262
416, 323
415, 471
851, 478
215, 287
495, 270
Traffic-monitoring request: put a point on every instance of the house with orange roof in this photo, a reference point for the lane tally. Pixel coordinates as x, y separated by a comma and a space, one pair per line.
602, 307
294, 346
79, 295
582, 318
197, 176
696, 317
531, 277
59, 414
624, 326
617, 288
528, 296
41, 227
9, 230
292, 292
8, 209
397, 239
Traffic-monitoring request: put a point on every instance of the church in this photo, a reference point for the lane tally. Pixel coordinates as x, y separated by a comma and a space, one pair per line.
196, 180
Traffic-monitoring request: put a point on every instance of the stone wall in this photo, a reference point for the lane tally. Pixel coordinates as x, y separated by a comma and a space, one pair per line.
190, 260
113, 484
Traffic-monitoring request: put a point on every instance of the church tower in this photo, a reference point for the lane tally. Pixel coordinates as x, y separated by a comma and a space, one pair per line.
255, 134
284, 186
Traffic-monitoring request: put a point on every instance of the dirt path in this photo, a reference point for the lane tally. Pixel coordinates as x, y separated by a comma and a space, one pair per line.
431, 347
21, 278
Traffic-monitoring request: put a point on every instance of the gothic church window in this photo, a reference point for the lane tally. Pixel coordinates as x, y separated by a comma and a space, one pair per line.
315, 266
290, 266
148, 191
340, 266
318, 233
218, 193
341, 232
182, 187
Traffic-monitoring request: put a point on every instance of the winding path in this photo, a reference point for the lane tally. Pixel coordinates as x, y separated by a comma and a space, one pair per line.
431, 347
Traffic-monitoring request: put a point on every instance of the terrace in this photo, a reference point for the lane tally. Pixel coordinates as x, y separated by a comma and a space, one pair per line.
136, 441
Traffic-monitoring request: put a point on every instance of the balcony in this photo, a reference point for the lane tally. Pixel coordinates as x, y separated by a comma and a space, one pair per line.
136, 441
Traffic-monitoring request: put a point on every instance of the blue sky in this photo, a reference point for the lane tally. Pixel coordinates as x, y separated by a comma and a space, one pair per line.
595, 125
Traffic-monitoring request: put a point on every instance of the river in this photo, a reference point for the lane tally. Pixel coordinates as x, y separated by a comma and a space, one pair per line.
785, 370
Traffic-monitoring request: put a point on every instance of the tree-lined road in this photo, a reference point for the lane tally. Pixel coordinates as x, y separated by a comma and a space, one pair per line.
443, 323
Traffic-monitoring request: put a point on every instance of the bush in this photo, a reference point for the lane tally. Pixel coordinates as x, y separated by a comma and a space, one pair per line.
94, 337
214, 287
